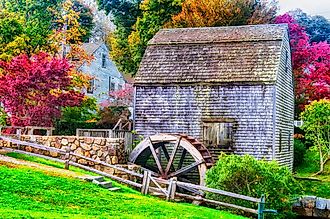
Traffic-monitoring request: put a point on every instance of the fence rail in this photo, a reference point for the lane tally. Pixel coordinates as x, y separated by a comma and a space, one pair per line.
167, 188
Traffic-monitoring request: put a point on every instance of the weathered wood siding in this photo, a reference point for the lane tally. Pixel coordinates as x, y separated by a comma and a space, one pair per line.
284, 108
180, 109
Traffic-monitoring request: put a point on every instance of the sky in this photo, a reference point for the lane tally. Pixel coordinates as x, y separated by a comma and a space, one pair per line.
313, 7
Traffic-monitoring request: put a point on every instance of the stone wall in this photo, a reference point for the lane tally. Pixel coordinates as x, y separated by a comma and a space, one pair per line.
312, 206
108, 150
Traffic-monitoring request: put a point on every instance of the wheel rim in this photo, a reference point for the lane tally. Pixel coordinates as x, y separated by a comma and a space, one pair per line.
169, 155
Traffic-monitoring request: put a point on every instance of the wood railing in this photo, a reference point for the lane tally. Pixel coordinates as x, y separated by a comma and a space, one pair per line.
150, 184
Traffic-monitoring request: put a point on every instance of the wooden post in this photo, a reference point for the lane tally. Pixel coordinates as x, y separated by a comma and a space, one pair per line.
145, 182
67, 158
261, 207
171, 189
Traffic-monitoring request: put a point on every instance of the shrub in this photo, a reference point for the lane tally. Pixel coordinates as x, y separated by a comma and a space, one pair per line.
247, 176
299, 153
3, 117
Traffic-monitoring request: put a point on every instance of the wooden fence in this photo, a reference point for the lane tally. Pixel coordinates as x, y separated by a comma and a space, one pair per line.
128, 136
166, 188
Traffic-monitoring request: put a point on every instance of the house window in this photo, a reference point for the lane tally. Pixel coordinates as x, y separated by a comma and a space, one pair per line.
112, 85
103, 60
91, 86
217, 134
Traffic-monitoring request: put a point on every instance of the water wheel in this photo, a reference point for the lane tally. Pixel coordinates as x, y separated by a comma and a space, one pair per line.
173, 155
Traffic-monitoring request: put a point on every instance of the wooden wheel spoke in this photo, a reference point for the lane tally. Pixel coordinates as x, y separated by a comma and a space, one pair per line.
185, 169
170, 162
183, 155
167, 157
154, 154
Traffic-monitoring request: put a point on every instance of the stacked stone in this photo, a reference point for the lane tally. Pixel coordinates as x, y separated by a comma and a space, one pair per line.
312, 206
108, 150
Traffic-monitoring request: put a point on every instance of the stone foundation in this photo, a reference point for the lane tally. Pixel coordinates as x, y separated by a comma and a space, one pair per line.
108, 150
312, 206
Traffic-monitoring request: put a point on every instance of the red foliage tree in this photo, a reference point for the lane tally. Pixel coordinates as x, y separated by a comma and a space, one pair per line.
33, 89
122, 97
311, 64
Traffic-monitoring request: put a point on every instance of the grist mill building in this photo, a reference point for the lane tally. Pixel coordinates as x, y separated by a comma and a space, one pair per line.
229, 87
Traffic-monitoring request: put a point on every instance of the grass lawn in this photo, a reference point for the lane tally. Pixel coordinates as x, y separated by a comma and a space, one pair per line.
32, 193
316, 188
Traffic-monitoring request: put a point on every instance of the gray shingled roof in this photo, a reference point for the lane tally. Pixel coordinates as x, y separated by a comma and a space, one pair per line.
213, 55
90, 48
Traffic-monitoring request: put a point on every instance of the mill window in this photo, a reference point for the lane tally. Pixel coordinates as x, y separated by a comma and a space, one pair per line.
280, 145
216, 134
289, 140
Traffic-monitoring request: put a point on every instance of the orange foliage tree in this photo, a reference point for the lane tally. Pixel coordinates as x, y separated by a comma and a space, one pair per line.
210, 13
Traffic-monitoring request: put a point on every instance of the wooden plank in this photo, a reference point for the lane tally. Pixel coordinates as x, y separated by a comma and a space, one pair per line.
253, 211
185, 169
183, 155
155, 182
167, 157
220, 192
171, 189
170, 162
116, 178
151, 146
109, 165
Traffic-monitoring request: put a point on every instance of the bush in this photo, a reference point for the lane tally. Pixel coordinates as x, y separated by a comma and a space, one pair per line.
299, 153
247, 176
3, 117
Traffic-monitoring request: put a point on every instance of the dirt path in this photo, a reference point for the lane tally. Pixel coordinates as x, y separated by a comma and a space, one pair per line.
15, 163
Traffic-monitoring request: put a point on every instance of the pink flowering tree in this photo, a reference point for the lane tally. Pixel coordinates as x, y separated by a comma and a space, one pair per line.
122, 97
34, 89
311, 64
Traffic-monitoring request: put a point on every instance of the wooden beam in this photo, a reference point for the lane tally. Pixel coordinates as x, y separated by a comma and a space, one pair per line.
170, 162
185, 169
253, 211
154, 154
167, 157
183, 155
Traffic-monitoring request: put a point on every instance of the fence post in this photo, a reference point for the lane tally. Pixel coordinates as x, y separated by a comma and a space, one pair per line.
145, 182
67, 157
261, 207
171, 189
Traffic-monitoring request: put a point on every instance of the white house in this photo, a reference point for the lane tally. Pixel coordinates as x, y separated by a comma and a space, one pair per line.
106, 77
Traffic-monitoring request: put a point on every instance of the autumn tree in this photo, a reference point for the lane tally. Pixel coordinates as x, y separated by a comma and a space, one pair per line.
317, 27
316, 119
155, 13
33, 22
34, 89
68, 41
210, 13
125, 14
311, 65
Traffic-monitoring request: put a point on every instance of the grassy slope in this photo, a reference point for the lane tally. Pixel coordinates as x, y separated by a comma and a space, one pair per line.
315, 188
31, 193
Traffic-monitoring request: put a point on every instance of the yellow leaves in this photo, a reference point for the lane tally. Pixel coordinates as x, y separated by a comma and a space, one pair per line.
79, 79
207, 13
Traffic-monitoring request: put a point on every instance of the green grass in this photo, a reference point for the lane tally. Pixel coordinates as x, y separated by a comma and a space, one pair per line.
309, 166
31, 193
44, 161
